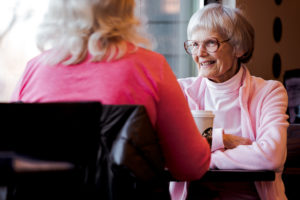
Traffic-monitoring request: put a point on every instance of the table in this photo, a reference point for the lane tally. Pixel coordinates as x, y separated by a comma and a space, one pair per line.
204, 188
238, 175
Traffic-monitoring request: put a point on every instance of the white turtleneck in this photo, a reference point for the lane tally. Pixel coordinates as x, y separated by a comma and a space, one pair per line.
222, 99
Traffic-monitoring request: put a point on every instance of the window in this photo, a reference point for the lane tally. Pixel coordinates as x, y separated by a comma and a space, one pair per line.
167, 22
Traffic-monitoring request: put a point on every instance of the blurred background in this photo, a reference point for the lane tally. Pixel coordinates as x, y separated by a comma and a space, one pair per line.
276, 23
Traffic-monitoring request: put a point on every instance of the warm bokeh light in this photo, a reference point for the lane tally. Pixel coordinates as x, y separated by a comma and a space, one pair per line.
171, 6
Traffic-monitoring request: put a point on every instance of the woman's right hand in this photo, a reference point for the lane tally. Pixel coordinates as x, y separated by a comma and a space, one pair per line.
232, 141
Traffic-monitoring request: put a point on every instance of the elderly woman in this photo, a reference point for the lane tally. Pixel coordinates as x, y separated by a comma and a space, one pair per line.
250, 123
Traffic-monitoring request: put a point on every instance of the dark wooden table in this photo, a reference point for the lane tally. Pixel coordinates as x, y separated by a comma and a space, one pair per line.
238, 175
204, 187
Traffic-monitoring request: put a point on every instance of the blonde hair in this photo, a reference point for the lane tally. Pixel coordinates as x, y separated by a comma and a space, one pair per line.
229, 23
101, 27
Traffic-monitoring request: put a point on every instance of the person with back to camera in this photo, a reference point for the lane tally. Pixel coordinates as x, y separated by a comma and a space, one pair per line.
250, 124
95, 54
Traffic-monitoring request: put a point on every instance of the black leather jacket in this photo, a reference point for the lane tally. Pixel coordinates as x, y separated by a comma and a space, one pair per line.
130, 161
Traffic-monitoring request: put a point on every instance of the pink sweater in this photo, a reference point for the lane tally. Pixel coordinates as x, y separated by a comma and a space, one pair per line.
143, 77
263, 106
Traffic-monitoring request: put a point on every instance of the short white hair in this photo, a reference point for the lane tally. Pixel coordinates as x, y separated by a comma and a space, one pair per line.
101, 27
230, 23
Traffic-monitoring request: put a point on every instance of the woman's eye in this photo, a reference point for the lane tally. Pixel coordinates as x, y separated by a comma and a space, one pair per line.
210, 42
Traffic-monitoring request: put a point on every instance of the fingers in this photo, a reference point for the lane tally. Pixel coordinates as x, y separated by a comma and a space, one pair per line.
247, 141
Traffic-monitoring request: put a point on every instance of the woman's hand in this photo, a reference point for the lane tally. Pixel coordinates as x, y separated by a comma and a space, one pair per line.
232, 141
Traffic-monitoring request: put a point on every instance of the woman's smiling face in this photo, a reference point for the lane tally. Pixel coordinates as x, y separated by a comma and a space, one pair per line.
219, 66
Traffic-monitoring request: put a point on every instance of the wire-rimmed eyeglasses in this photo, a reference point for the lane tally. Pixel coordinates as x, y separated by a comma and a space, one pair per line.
210, 45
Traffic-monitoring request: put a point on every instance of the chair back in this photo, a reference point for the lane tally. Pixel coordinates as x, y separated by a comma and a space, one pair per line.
50, 131
291, 81
41, 134
291, 173
114, 150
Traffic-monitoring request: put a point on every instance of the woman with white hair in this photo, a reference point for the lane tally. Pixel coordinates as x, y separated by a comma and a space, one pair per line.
91, 51
250, 125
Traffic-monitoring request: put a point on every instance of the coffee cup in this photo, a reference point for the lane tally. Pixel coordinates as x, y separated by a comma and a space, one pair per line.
204, 120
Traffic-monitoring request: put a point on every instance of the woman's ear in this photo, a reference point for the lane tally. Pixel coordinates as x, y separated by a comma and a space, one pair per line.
239, 53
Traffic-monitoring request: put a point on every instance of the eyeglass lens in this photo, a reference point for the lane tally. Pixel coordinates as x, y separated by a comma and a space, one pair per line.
210, 45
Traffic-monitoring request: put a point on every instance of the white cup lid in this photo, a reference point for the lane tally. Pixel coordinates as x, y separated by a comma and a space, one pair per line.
202, 113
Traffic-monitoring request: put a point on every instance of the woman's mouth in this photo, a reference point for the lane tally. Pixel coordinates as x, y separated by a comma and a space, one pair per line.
207, 63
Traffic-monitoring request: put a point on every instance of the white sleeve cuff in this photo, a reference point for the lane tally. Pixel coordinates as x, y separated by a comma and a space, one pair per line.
217, 139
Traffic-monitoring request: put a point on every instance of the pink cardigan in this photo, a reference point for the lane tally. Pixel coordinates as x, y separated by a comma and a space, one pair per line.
141, 77
263, 120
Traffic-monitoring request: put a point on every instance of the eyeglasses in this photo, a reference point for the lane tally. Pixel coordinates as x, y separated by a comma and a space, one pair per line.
211, 45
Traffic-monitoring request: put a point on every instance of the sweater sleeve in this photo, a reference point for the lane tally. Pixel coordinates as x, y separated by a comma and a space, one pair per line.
267, 125
187, 153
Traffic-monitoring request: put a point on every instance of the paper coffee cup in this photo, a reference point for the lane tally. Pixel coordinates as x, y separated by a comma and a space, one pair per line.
204, 120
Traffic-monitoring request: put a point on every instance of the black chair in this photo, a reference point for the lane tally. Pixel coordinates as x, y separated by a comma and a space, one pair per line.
291, 173
291, 82
113, 152
45, 133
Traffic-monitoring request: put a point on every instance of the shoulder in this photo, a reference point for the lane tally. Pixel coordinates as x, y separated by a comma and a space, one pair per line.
145, 58
261, 90
154, 56
188, 82
35, 67
33, 64
150, 62
260, 84
39, 59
